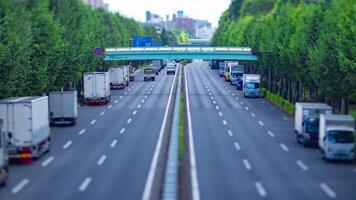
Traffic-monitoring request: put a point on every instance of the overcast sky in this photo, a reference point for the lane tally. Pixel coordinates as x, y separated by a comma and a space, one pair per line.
198, 9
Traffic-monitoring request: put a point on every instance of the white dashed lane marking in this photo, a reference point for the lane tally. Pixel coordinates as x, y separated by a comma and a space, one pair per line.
237, 146
85, 184
129, 121
101, 160
81, 132
260, 189
47, 161
246, 164
270, 133
20, 186
302, 165
67, 145
261, 123
331, 194
122, 131
102, 113
113, 143
284, 147
93, 121
230, 133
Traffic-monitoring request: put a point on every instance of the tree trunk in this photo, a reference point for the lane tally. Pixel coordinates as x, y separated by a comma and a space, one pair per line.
344, 105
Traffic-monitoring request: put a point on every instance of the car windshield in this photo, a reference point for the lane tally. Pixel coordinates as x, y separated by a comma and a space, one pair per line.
252, 85
312, 125
341, 137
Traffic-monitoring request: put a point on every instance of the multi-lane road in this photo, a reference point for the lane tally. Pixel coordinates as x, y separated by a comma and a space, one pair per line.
239, 148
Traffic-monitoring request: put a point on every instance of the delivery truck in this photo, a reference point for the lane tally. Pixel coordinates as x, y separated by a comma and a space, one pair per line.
26, 126
337, 137
229, 65
236, 71
251, 85
149, 74
156, 64
306, 121
97, 88
222, 69
4, 170
63, 107
117, 78
131, 73
127, 75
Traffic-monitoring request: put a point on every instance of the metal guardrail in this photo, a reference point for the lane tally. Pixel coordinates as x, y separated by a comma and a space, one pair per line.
179, 49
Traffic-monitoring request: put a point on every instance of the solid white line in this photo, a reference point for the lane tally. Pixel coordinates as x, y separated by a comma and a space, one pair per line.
224, 122
284, 147
253, 115
217, 107
261, 123
139, 106
151, 174
220, 114
110, 106
113, 143
129, 121
230, 133
302, 165
261, 191
122, 131
20, 186
84, 184
47, 161
237, 146
93, 122
247, 164
102, 113
81, 132
246, 107
101, 160
327, 190
134, 112
66, 145
193, 168
270, 133
121, 97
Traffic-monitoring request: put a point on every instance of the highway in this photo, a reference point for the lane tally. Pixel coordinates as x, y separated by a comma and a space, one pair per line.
239, 148
246, 148
107, 155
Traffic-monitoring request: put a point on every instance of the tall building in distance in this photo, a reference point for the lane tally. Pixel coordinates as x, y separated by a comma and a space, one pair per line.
97, 4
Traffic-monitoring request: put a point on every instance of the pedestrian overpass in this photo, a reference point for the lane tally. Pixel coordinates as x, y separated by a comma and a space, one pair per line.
161, 53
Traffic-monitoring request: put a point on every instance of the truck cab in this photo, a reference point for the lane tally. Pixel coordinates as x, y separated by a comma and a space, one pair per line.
3, 158
149, 74
251, 85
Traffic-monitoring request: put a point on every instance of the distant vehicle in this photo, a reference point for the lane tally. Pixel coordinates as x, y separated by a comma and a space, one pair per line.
63, 107
236, 71
229, 65
4, 171
222, 69
214, 64
156, 64
26, 125
251, 85
171, 68
131, 73
149, 74
337, 137
127, 75
306, 121
97, 88
117, 78
239, 83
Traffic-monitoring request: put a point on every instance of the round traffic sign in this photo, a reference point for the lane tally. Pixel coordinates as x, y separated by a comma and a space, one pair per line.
98, 51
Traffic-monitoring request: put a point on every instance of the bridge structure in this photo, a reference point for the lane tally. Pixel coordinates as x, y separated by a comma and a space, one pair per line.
173, 52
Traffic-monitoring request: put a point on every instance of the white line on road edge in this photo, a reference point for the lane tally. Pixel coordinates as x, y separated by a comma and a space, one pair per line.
110, 106
113, 143
122, 131
47, 161
327, 190
81, 132
129, 121
253, 115
261, 191
84, 184
302, 165
247, 164
237, 146
270, 133
67, 144
20, 186
230, 133
261, 123
101, 160
246, 107
284, 147
102, 113
116, 101
220, 114
139, 106
134, 112
93, 122
151, 174
193, 168
224, 122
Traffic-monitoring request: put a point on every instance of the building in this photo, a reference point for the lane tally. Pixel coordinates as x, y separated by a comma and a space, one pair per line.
97, 4
152, 18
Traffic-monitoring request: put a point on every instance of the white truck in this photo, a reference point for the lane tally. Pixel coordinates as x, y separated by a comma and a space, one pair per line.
156, 64
97, 88
171, 67
337, 137
306, 121
4, 170
236, 72
63, 107
149, 74
26, 126
127, 75
117, 78
251, 85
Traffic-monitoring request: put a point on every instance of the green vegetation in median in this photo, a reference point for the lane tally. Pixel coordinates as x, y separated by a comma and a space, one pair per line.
353, 112
279, 101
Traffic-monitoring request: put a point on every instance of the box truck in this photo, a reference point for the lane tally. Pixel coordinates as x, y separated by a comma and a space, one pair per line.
251, 85
228, 69
337, 137
306, 121
63, 107
156, 64
26, 126
97, 88
222, 69
149, 74
117, 78
131, 73
236, 71
127, 75
4, 170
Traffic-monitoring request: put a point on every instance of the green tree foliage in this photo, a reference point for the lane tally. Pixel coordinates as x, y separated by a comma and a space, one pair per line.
312, 45
47, 44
